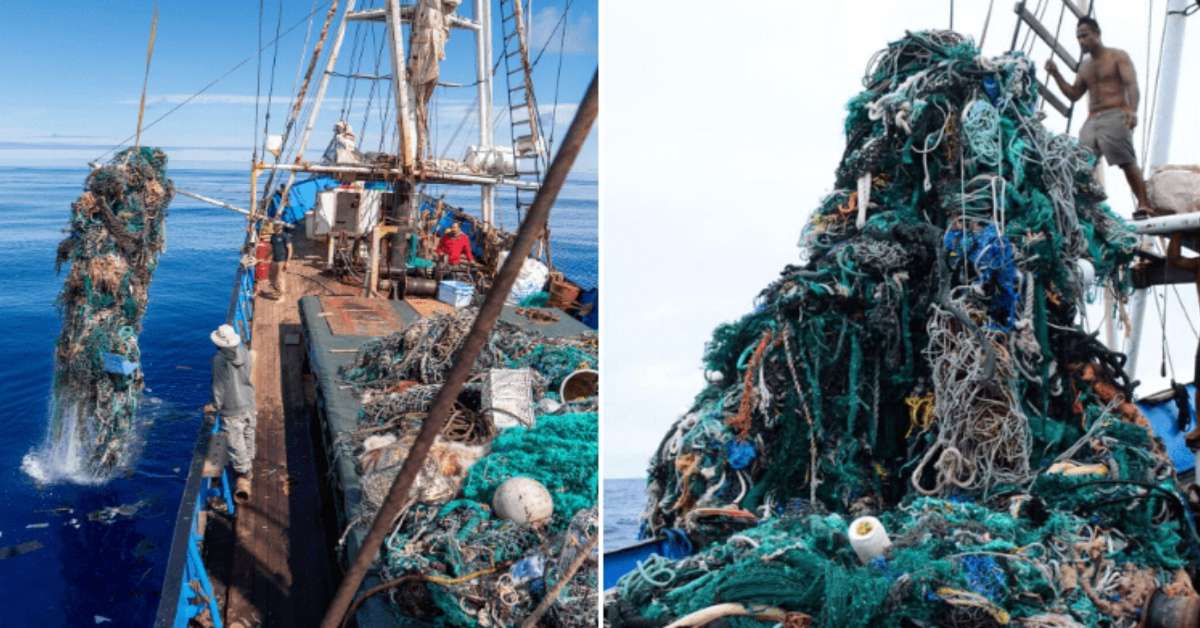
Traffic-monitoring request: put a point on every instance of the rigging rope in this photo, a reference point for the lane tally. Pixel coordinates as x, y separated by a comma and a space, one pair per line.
298, 105
987, 21
1154, 97
271, 88
562, 39
257, 87
146, 77
237, 66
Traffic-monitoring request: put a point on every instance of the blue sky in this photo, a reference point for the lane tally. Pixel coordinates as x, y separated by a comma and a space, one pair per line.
75, 74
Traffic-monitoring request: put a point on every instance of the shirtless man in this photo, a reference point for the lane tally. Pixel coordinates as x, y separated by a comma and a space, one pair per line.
1108, 78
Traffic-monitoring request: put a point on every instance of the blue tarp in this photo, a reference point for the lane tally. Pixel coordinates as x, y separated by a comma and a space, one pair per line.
591, 296
1162, 416
429, 208
301, 198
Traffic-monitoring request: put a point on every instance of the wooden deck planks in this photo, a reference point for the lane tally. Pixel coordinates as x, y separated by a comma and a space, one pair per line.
281, 574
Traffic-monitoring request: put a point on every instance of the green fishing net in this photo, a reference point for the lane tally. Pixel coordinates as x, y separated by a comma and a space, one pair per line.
460, 564
116, 234
925, 363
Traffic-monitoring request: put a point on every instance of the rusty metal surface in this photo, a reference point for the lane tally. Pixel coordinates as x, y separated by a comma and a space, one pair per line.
429, 307
360, 316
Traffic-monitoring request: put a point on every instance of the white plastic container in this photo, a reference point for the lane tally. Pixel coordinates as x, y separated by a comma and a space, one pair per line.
455, 293
508, 396
869, 538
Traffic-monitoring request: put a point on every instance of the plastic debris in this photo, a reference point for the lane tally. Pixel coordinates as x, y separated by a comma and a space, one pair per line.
923, 365
116, 235
522, 500
109, 514
19, 549
449, 532
143, 548
527, 569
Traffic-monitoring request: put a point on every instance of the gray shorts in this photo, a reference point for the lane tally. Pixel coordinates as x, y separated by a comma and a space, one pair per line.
1105, 134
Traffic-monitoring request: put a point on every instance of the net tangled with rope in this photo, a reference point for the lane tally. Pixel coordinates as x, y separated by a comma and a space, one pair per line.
455, 563
115, 238
924, 364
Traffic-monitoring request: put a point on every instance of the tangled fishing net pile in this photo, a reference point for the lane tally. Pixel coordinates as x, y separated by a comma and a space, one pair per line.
456, 563
116, 235
924, 365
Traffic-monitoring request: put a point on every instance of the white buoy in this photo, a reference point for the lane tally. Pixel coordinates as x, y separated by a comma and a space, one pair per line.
868, 538
523, 500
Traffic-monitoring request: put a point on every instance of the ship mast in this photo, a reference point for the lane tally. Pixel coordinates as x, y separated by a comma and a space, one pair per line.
1172, 52
483, 75
409, 169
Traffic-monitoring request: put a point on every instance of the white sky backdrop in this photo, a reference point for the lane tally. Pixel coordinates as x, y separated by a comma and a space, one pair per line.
722, 128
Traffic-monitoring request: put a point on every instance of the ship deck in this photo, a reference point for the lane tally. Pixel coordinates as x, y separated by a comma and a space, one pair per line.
272, 564
275, 562
334, 329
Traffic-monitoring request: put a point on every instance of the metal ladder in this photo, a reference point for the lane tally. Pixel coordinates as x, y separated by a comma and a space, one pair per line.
529, 149
1028, 19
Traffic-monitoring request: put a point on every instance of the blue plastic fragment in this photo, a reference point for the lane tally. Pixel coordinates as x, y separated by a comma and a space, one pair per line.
992, 255
528, 569
118, 365
740, 454
991, 89
677, 544
984, 576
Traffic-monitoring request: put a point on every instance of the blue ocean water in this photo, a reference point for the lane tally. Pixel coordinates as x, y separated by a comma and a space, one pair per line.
624, 500
88, 570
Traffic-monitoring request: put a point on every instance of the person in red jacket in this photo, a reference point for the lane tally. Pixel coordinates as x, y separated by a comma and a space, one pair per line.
453, 244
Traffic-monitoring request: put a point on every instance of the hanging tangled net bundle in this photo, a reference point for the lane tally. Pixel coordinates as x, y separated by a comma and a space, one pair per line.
116, 235
455, 562
924, 365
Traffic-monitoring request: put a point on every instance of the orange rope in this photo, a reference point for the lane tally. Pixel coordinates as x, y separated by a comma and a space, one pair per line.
686, 465
741, 422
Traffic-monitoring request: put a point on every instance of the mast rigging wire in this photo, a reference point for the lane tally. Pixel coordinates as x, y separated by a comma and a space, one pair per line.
257, 87
271, 88
987, 21
197, 94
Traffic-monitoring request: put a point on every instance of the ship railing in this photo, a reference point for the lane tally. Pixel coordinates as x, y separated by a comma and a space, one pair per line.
187, 590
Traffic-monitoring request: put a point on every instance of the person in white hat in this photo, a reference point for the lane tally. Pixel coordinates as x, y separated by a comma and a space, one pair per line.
233, 398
